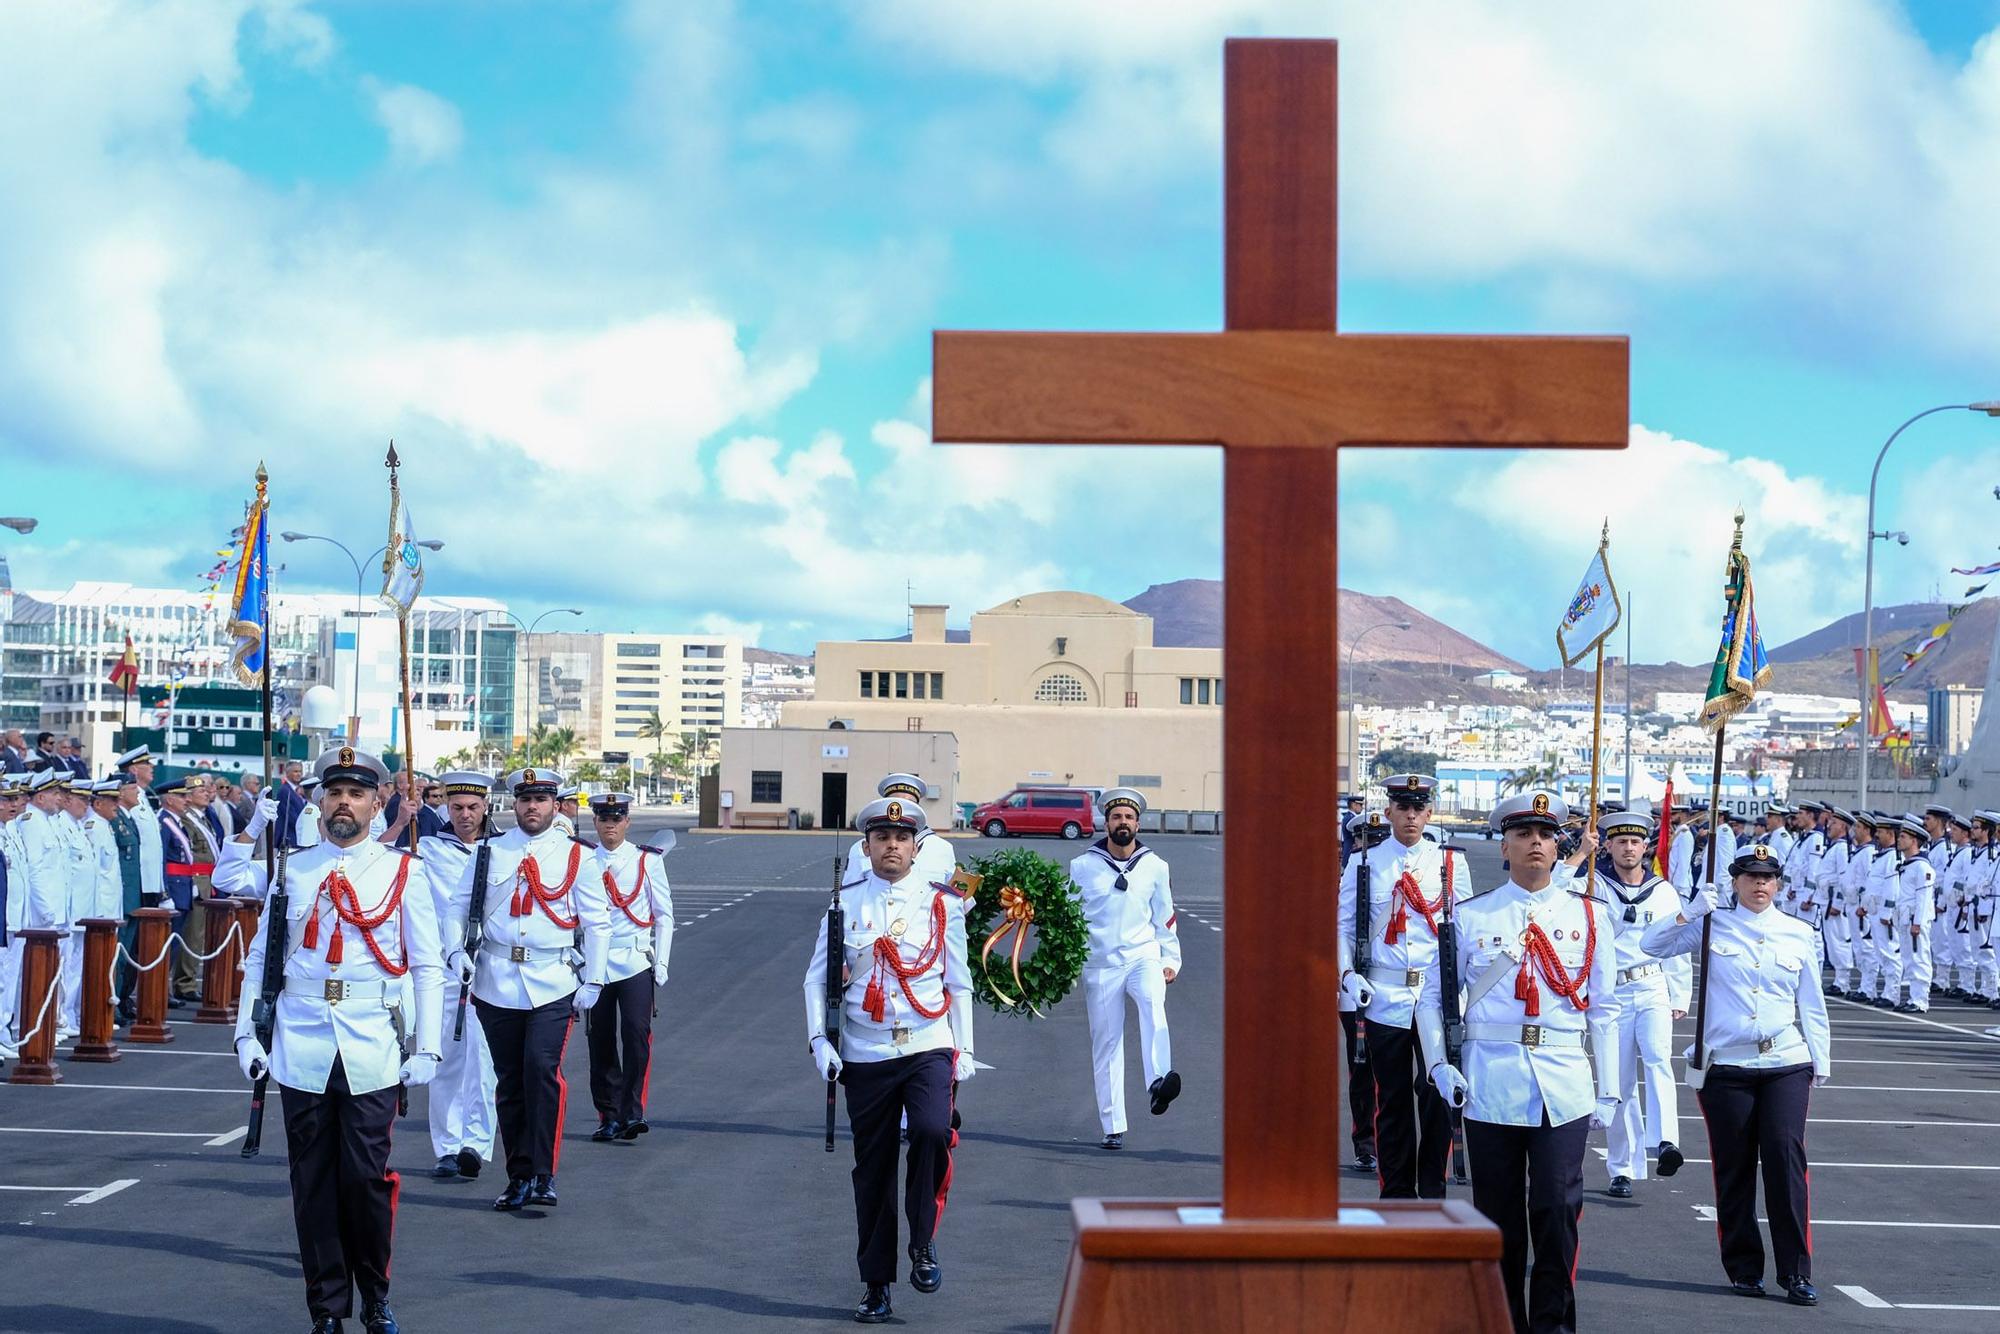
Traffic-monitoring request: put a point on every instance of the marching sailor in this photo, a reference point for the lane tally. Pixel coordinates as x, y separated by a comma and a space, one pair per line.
1768, 1046
1681, 872
936, 862
545, 929
905, 1040
1777, 833
461, 1101
1128, 902
1876, 876
360, 919
1540, 966
1651, 996
1954, 964
1838, 931
620, 1025
1412, 885
1915, 908
1353, 1045
1985, 891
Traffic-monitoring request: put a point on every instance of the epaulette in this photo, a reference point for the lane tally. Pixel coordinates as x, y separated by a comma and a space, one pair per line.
657, 852
1592, 897
584, 841
1474, 898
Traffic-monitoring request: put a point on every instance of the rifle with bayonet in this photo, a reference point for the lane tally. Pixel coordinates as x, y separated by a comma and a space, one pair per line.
1364, 931
1454, 1018
836, 982
264, 1010
475, 920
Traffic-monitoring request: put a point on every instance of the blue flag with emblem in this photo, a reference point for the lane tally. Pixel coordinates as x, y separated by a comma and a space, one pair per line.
250, 604
1742, 667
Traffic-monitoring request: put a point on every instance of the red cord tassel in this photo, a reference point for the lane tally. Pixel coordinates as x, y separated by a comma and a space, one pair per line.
333, 946
873, 1001
517, 905
1399, 922
1526, 991
311, 938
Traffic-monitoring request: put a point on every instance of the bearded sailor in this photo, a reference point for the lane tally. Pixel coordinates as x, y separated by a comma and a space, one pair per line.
936, 862
1128, 901
620, 1025
360, 919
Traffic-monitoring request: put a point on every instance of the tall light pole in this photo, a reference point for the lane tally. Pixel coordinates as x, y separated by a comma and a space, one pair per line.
1991, 407
354, 716
527, 636
1353, 644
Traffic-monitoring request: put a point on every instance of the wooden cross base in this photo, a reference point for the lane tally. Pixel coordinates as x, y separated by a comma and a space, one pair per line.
1138, 1266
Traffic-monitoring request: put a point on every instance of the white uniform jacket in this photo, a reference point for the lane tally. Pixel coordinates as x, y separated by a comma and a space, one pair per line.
1801, 896
1642, 979
884, 1016
107, 896
46, 854
152, 854
1956, 883
1403, 942
1765, 1007
530, 940
642, 908
1916, 892
1830, 878
343, 1005
1519, 1065
80, 861
935, 862
17, 880
1129, 905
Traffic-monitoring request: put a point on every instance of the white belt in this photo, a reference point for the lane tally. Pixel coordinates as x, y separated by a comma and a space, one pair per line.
1526, 1035
333, 991
1637, 971
1395, 977
519, 953
1744, 1051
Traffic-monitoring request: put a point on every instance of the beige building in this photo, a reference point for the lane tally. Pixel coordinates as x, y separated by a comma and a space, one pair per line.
1047, 688
828, 774
604, 687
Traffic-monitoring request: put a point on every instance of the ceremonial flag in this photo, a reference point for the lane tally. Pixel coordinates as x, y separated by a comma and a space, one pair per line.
126, 674
1675, 779
1593, 613
1742, 668
403, 562
249, 608
1994, 568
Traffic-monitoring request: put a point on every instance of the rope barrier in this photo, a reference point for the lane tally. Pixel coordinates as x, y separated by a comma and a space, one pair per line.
41, 1018
235, 934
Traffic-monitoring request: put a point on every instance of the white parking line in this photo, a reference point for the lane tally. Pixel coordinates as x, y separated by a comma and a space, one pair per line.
84, 1194
1838, 1087
1916, 1122
66, 1130
1863, 1296
151, 1088
1706, 1212
229, 1138
1924, 1019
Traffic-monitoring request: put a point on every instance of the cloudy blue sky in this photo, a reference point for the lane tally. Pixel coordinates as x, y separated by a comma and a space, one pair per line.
643, 291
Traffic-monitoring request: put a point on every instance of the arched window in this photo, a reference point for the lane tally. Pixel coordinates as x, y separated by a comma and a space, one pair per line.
1061, 688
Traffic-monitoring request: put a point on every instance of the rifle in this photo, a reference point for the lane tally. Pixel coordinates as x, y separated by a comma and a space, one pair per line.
1454, 1019
264, 1010
836, 983
475, 919
1364, 930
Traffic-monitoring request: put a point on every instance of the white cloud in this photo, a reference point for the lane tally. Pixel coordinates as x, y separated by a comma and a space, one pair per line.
422, 127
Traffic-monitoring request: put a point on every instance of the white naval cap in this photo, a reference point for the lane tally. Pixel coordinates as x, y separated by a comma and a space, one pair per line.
569, 792
466, 783
534, 782
1913, 825
1624, 822
136, 755
345, 764
1989, 817
892, 813
611, 803
1545, 809
48, 780
1115, 797
901, 785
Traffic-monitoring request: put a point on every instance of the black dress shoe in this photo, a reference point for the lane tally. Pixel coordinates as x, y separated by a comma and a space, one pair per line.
1671, 1159
377, 1318
543, 1190
1993, 1004
1164, 1090
1113, 1141
633, 1129
1834, 991
327, 1324
468, 1164
1800, 1292
1906, 1008
446, 1169
1364, 1162
515, 1196
1747, 1287
176, 1003
874, 1308
607, 1130
926, 1275
1620, 1188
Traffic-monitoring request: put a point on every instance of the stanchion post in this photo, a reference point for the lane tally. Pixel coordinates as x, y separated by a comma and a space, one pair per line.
246, 925
215, 972
155, 928
39, 964
96, 1016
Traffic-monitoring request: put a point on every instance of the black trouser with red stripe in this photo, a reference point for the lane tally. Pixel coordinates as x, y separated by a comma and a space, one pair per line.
622, 1019
1412, 1136
879, 1094
343, 1193
1529, 1181
1360, 1089
1758, 1117
529, 1090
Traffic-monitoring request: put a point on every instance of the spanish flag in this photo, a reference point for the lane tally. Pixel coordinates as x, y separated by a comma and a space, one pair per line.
126, 674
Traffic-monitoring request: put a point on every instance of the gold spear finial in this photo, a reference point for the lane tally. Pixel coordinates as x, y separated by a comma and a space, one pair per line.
262, 476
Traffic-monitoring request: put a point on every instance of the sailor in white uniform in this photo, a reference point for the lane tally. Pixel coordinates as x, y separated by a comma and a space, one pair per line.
1830, 881
462, 1115
936, 862
1915, 910
620, 1025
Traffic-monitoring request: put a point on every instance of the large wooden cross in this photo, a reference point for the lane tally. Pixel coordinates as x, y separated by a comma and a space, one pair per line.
1281, 392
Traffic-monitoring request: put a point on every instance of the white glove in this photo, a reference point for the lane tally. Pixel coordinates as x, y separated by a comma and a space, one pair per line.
263, 817
1357, 989
1602, 1114
659, 975
586, 996
252, 1059
1449, 1083
1705, 901
460, 963
826, 1058
963, 1069
420, 1069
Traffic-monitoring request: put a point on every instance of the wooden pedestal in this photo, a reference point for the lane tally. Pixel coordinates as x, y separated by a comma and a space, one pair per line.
39, 965
247, 913
155, 925
217, 1003
95, 1015
1141, 1265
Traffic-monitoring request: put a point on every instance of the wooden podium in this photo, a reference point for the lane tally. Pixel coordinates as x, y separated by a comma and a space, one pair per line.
1281, 392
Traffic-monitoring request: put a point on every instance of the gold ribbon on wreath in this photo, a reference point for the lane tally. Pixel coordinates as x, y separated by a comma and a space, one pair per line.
1019, 913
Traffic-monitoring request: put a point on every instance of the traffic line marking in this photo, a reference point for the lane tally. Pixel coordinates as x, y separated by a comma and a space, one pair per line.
1707, 1214
1914, 1123
1941, 1306
67, 1130
229, 1138
149, 1088
84, 1194
1925, 1019
1863, 1296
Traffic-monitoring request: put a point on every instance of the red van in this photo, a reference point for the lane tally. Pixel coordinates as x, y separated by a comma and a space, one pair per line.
1068, 811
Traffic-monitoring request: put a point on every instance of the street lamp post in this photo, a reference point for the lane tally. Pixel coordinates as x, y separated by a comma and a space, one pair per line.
1353, 644
527, 634
1991, 407
354, 717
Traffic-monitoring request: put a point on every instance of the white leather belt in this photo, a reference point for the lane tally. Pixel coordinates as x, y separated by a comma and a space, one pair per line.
1744, 1051
1396, 977
1526, 1035
333, 991
515, 953
1637, 971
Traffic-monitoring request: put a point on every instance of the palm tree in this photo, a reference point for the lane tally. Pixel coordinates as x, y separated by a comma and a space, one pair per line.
590, 771
654, 729
1544, 774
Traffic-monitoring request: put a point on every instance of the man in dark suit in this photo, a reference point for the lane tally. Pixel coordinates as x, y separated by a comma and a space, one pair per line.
72, 758
13, 752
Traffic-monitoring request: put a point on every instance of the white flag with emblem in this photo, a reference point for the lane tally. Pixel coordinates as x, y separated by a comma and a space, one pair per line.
1592, 614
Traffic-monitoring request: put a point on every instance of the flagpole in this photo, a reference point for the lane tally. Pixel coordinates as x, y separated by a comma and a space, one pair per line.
271, 834
1714, 801
1627, 618
389, 559
1597, 700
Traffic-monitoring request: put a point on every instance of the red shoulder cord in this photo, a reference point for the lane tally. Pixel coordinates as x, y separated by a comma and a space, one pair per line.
624, 905
346, 902
1407, 891
889, 956
530, 892
1541, 954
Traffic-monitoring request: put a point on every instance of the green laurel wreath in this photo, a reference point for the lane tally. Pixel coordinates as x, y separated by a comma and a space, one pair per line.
1061, 937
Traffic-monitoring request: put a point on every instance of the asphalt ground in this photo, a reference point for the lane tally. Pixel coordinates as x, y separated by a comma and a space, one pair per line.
124, 1203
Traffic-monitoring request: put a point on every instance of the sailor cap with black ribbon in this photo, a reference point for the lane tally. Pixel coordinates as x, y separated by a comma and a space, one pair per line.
534, 782
1545, 809
1914, 826
1410, 789
1624, 822
1938, 809
1756, 859
1840, 813
1991, 819
1961, 821
136, 755
345, 764
901, 785
1115, 797
48, 780
570, 792
611, 803
466, 783
1865, 818
891, 813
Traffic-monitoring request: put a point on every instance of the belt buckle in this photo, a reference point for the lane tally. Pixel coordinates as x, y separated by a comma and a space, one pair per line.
334, 991
1413, 977
901, 1035
1531, 1035
517, 953
1764, 1045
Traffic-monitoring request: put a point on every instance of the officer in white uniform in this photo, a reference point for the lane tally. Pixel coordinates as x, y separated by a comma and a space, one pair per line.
568, 811
1831, 887
14, 911
359, 920
1680, 851
1768, 1045
462, 1116
1353, 1047
936, 862
1777, 833
305, 831
1413, 884
1985, 886
1915, 910
905, 1042
1954, 964
1798, 851
1648, 1004
44, 851
84, 873
620, 1025
544, 915
1128, 903
1540, 964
